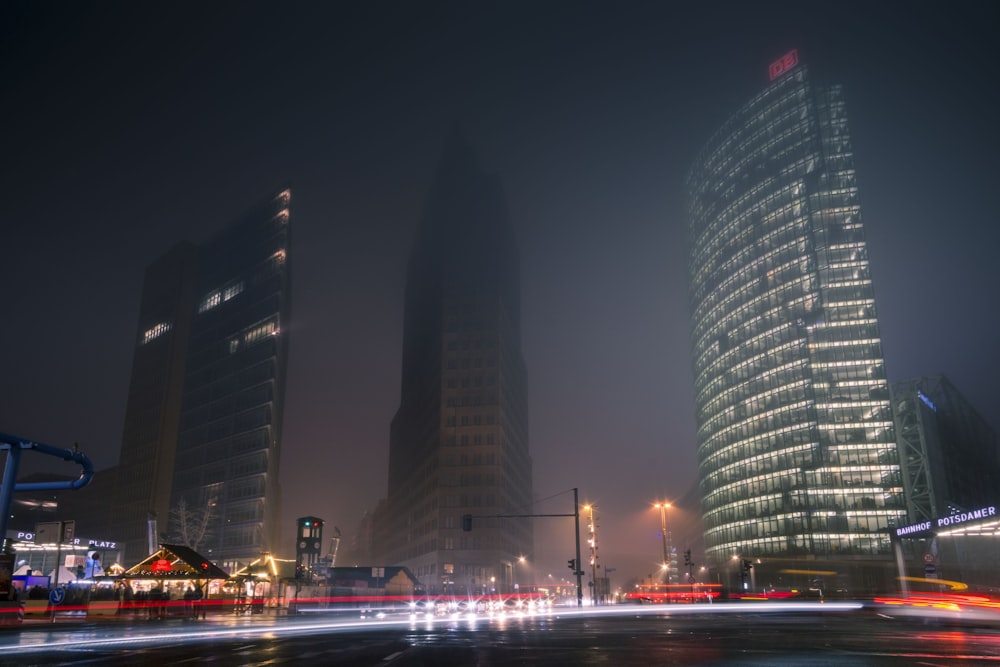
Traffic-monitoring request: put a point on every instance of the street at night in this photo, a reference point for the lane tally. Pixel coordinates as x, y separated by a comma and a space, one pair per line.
844, 633
437, 332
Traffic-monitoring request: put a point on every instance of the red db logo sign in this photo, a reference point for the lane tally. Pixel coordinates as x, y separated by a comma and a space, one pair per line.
783, 64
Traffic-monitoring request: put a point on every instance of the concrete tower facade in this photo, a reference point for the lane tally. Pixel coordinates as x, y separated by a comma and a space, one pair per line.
459, 441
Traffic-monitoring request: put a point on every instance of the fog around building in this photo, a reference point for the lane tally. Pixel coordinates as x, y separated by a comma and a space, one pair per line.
129, 129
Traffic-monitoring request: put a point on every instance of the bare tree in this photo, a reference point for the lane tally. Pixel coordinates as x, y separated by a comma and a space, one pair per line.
191, 526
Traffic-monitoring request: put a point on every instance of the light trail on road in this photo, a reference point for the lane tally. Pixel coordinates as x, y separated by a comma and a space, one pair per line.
114, 636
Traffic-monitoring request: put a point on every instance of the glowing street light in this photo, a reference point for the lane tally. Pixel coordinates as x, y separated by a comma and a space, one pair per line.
593, 554
663, 533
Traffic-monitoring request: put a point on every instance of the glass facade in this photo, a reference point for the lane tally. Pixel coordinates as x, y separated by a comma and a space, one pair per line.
796, 447
234, 384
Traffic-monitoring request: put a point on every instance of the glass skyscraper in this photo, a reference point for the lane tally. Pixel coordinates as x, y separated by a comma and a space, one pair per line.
229, 443
796, 447
202, 435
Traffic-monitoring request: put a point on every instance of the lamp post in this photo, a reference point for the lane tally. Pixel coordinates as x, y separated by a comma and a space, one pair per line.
593, 555
663, 533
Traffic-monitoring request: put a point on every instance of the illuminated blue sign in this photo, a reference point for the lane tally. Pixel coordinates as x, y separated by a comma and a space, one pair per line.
916, 529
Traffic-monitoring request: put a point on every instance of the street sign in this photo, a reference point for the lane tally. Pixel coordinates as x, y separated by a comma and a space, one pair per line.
928, 557
57, 595
930, 568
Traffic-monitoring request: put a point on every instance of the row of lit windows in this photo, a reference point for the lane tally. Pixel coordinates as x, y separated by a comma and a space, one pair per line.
752, 141
723, 451
724, 230
719, 391
748, 352
762, 274
772, 97
739, 420
790, 303
779, 220
837, 544
742, 528
155, 332
723, 235
727, 413
846, 353
790, 248
742, 138
218, 297
802, 493
829, 476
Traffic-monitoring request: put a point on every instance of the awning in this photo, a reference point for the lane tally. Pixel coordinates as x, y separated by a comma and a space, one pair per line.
177, 563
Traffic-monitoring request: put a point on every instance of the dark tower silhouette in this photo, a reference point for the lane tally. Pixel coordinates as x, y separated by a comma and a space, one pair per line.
459, 441
206, 398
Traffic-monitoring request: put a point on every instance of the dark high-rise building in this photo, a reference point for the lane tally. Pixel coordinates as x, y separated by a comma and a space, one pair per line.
202, 430
149, 438
459, 441
951, 470
796, 444
949, 454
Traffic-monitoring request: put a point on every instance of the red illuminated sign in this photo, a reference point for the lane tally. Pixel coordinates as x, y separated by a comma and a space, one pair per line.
162, 565
783, 64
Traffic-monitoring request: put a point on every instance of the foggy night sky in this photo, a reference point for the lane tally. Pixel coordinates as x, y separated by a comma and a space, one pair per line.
127, 127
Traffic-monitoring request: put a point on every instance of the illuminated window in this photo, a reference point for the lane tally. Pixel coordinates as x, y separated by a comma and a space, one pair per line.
155, 332
232, 291
259, 332
218, 297
209, 302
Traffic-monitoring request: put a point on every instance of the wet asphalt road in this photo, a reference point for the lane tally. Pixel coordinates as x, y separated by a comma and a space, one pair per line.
622, 636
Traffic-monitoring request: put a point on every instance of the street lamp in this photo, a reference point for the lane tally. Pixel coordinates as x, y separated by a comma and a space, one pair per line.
663, 533
520, 560
593, 554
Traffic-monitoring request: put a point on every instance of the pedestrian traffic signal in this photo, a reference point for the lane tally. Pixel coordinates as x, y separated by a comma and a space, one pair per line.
572, 564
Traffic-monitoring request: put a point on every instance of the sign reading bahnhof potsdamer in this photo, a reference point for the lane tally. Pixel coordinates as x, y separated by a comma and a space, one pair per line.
915, 529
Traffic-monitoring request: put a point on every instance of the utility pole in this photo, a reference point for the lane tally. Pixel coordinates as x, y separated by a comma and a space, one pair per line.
467, 526
579, 572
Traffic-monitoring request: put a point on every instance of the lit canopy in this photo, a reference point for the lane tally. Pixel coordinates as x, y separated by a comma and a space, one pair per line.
175, 562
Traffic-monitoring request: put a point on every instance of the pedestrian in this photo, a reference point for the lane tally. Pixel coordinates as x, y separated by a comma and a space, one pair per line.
199, 603
189, 601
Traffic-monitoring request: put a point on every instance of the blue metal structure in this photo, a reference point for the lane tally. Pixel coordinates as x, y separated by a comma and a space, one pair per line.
15, 446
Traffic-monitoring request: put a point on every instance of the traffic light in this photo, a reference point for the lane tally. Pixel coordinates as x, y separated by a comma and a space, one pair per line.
747, 565
687, 557
466, 522
299, 571
572, 564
